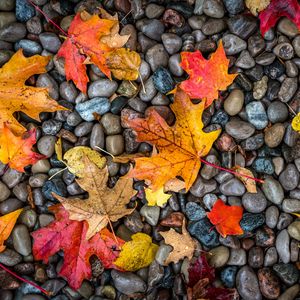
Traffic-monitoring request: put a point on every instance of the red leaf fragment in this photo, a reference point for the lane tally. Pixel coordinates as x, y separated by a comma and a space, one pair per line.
277, 9
69, 236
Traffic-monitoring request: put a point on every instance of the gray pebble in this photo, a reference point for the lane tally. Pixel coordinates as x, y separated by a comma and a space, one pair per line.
239, 129
21, 240
10, 257
172, 42
13, 32
29, 47
151, 214
289, 178
102, 88
233, 44
237, 257
157, 56
257, 115
50, 41
97, 138
254, 202
283, 246
96, 105
232, 187
273, 190
46, 145
291, 205
272, 214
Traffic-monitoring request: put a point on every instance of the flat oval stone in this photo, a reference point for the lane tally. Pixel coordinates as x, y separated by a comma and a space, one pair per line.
232, 187
239, 129
257, 115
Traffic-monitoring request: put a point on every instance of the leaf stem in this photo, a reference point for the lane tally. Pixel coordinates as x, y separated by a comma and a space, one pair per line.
230, 171
25, 280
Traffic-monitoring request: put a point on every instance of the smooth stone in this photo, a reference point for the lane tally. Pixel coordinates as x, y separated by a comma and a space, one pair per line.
254, 202
7, 5
294, 230
29, 47
233, 104
211, 27
28, 218
162, 253
152, 28
271, 257
208, 172
288, 273
237, 257
253, 143
21, 240
96, 105
296, 45
12, 32
54, 185
10, 257
245, 61
287, 27
256, 45
201, 187
175, 65
263, 165
128, 283
111, 124
234, 6
256, 257
6, 18
157, 57
277, 112
260, 88
45, 80
269, 283
50, 41
51, 127
102, 88
257, 115
289, 177
68, 91
4, 192
162, 80
239, 130
194, 212
291, 205
154, 11
151, 214
284, 51
283, 246
233, 44
10, 205
232, 187
46, 145
273, 190
242, 25
247, 284
272, 214
155, 274
290, 293
275, 69
288, 89
149, 92
228, 275
97, 139
24, 10
251, 221
213, 8
115, 144
274, 135
218, 256
172, 42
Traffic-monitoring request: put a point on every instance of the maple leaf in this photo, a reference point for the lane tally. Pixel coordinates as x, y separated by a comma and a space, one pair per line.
158, 197
250, 184
16, 151
137, 253
226, 218
104, 204
180, 146
70, 237
277, 9
183, 245
16, 96
206, 77
7, 223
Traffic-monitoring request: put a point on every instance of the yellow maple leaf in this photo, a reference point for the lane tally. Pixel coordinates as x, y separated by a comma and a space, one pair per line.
158, 197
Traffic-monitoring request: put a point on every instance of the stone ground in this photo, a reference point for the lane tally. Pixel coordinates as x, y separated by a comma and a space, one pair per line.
254, 113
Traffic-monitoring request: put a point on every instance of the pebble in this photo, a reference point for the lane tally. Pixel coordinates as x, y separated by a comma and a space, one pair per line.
271, 257
115, 144
201, 187
175, 65
151, 214
290, 293
29, 47
247, 284
256, 44
45, 80
154, 11
239, 130
55, 185
157, 57
194, 212
274, 135
234, 6
294, 230
103, 88
111, 124
24, 10
149, 92
284, 51
213, 8
255, 257
287, 89
272, 214
269, 284
275, 69
238, 257
264, 237
152, 28
4, 192
68, 91
7, 5
287, 27
46, 145
51, 127
233, 44
203, 231
242, 25
83, 129
257, 115
228, 275
289, 177
263, 165
291, 205
218, 256
251, 221
277, 112
97, 105
232, 187
172, 42
253, 142
245, 61
233, 104
273, 190
260, 88
128, 283
288, 273
12, 32
21, 240
162, 80
283, 246
50, 41
254, 202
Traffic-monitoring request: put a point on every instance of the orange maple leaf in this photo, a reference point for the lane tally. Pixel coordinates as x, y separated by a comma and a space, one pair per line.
16, 151
226, 218
7, 223
207, 77
180, 146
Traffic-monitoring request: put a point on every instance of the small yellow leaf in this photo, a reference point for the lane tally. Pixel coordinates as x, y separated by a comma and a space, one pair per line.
256, 6
250, 184
296, 122
58, 149
157, 197
296, 214
74, 158
137, 254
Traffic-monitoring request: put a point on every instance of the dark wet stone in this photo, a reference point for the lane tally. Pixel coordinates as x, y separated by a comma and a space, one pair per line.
288, 273
228, 276
163, 80
263, 165
24, 10
242, 25
253, 142
220, 117
183, 8
255, 73
54, 186
234, 6
275, 69
251, 221
194, 211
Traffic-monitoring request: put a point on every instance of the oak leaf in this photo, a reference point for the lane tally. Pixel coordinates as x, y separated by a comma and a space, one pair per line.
226, 218
206, 77
158, 197
256, 6
179, 146
250, 184
104, 205
70, 237
137, 253
16, 151
277, 9
183, 245
16, 96
7, 223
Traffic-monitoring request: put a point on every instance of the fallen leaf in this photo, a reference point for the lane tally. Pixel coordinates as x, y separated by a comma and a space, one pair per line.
104, 205
250, 184
180, 146
296, 122
125, 158
158, 197
137, 253
296, 214
16, 96
206, 77
256, 6
123, 63
69, 236
277, 9
16, 151
75, 163
7, 223
58, 149
174, 185
183, 245
226, 218
83, 41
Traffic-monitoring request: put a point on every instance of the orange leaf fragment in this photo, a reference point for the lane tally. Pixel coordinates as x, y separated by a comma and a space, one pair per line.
7, 223
16, 151
207, 77
226, 218
179, 146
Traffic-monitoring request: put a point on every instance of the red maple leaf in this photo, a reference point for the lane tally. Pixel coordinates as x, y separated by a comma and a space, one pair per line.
207, 77
226, 218
70, 237
277, 9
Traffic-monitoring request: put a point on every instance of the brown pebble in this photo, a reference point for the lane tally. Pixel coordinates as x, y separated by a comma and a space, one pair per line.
7, 281
173, 18
247, 244
225, 142
268, 283
175, 219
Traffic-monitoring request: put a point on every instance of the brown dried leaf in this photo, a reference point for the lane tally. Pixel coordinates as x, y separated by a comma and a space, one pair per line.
256, 6
104, 204
250, 184
183, 245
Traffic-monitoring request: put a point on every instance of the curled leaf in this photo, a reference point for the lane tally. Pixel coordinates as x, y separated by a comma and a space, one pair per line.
136, 254
58, 149
250, 184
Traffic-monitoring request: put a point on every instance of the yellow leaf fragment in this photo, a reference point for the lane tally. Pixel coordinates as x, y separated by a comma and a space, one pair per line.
256, 6
250, 184
74, 158
296, 122
158, 197
58, 149
138, 253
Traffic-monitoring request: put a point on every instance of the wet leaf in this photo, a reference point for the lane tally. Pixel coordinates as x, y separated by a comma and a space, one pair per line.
250, 184
137, 253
